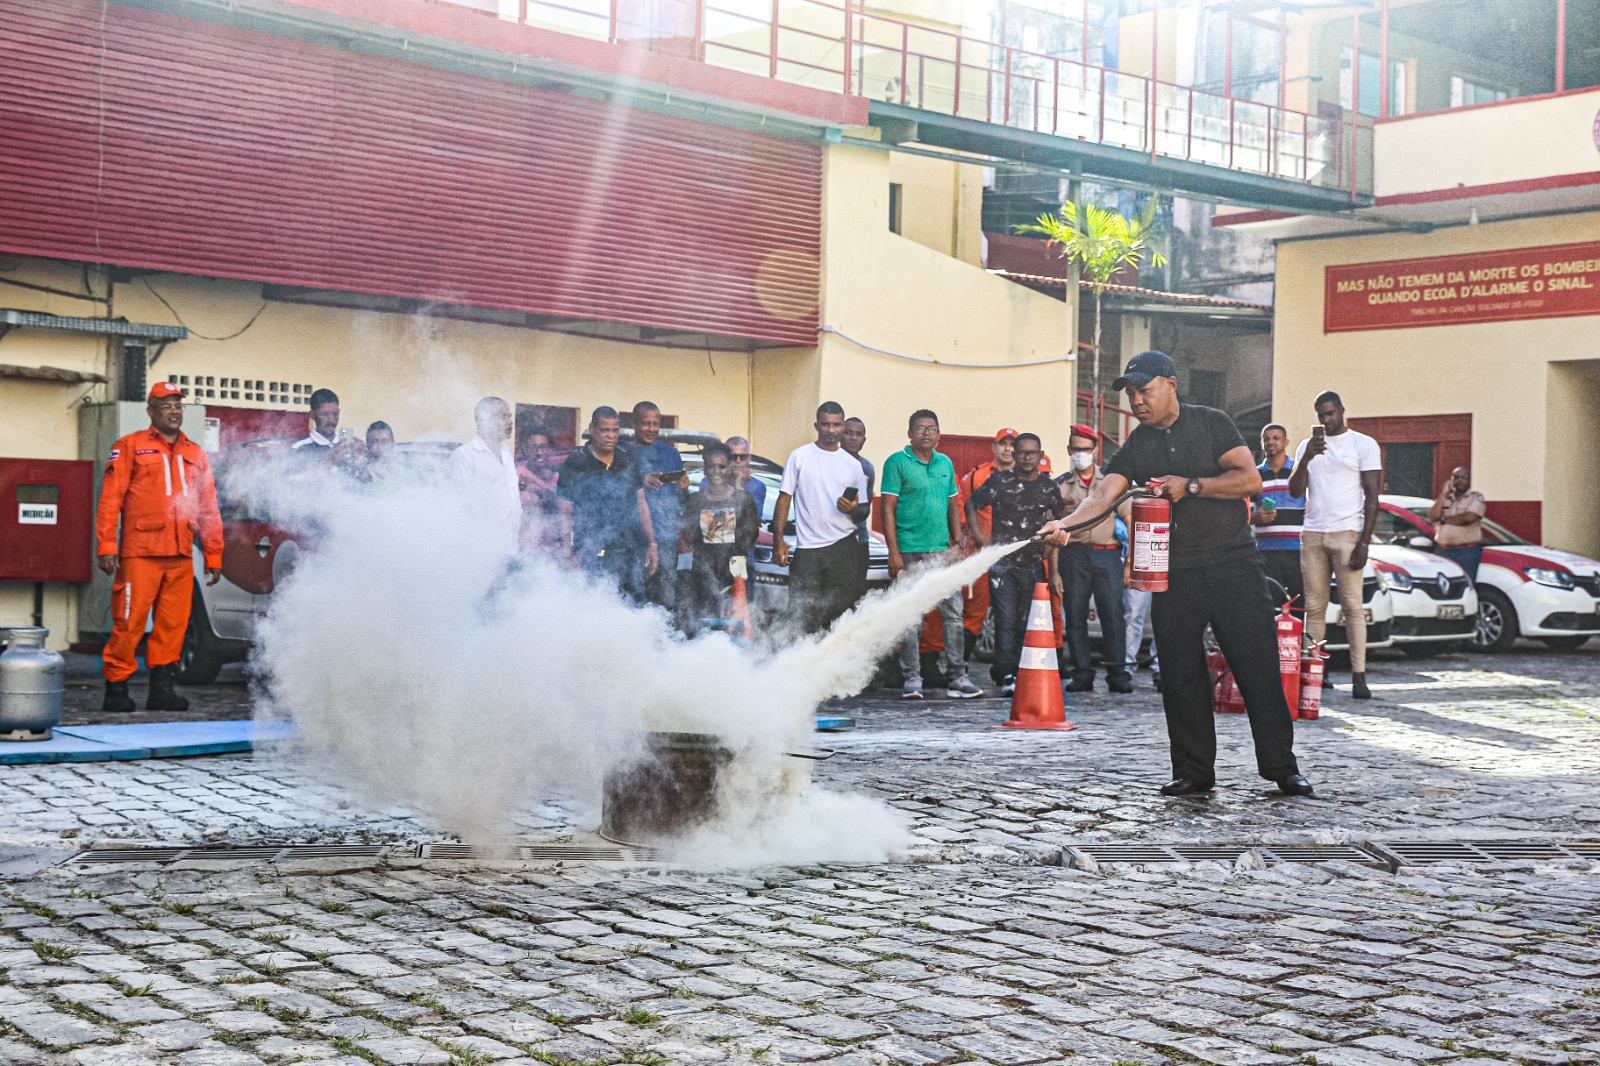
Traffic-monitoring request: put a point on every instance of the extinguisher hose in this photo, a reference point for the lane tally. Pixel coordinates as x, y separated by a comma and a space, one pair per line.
1138, 490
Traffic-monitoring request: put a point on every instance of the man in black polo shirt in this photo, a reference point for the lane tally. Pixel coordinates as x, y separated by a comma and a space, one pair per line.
611, 529
1195, 457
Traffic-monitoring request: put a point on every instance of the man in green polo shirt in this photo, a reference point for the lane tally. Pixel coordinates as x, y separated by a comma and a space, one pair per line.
922, 522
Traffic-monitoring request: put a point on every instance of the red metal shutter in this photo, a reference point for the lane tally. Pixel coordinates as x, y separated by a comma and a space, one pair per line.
171, 144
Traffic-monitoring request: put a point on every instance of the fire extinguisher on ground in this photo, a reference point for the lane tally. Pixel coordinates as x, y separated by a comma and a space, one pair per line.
1290, 640
1150, 539
1312, 669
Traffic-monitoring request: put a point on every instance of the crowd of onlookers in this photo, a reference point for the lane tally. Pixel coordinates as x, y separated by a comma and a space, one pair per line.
622, 506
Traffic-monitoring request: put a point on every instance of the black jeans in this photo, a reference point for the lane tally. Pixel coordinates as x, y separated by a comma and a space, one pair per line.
824, 582
1468, 559
1284, 568
1010, 598
1232, 598
1087, 571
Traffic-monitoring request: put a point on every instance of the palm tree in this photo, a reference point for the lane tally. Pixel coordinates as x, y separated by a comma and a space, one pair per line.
1099, 242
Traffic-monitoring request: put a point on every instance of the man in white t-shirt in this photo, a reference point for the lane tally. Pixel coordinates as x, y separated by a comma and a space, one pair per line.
827, 488
1340, 473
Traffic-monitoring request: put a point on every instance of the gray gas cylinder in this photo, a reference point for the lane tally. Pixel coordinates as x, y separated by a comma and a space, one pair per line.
33, 681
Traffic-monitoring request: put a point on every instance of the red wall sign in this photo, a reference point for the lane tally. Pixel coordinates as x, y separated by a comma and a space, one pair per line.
1555, 281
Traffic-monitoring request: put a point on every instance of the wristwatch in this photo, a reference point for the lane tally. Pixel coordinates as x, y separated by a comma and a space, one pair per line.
1194, 486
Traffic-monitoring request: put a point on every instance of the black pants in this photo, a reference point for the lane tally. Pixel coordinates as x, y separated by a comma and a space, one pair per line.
1232, 598
824, 582
1087, 571
1010, 599
1284, 568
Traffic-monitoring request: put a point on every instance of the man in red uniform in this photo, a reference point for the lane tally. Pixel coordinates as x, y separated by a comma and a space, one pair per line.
158, 482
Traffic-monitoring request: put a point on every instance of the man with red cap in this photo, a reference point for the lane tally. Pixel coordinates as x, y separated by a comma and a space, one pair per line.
1090, 564
158, 483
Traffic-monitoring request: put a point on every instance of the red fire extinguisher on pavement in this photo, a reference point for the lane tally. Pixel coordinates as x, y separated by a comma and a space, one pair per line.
1151, 539
1290, 634
1225, 695
1312, 669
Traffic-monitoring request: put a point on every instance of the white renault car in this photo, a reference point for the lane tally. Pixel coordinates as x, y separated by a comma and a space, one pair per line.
1435, 606
1523, 589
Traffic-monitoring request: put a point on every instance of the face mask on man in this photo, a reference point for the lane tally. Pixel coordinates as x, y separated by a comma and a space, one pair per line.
1082, 461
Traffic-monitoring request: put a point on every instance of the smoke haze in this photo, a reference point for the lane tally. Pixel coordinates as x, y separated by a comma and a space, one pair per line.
418, 667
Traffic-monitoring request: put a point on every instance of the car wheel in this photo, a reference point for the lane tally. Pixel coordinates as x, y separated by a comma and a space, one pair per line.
1563, 643
983, 650
1497, 621
199, 663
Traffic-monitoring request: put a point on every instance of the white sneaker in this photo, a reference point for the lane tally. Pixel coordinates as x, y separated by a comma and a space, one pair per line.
911, 690
1009, 687
962, 688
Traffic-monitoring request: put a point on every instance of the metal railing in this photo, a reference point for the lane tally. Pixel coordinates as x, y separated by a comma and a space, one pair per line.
840, 48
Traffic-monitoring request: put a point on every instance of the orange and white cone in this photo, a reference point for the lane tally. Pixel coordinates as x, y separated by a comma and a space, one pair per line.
1037, 702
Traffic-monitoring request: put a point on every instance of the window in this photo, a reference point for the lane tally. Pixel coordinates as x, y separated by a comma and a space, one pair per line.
1207, 387
1370, 89
896, 201
1464, 93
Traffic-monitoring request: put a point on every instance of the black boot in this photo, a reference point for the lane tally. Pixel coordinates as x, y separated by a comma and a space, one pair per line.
163, 697
117, 698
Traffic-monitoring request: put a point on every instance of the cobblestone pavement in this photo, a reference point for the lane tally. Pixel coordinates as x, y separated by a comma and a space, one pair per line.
979, 951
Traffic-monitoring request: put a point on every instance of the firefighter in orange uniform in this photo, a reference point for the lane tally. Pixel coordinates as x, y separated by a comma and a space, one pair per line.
158, 482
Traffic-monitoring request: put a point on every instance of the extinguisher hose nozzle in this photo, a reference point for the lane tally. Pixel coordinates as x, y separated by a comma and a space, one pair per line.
1096, 519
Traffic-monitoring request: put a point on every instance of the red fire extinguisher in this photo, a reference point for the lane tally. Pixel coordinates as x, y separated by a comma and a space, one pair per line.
1225, 695
1312, 668
1152, 536
1290, 631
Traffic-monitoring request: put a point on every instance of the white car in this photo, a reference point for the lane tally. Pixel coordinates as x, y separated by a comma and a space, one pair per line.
1523, 589
1435, 606
1375, 595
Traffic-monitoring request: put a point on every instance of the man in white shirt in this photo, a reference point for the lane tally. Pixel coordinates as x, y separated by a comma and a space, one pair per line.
825, 484
324, 426
484, 470
1340, 473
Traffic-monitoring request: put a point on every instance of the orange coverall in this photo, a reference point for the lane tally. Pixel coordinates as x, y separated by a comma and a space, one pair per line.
164, 495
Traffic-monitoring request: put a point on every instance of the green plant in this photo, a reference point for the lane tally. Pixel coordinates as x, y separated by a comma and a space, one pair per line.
639, 1016
333, 906
53, 952
642, 1056
139, 990
149, 926
181, 908
1098, 242
465, 1056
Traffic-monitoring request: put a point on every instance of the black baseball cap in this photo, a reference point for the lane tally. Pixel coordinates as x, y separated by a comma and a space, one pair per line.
1142, 368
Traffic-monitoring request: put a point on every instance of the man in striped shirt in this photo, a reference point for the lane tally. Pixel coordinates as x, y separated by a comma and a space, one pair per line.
1277, 515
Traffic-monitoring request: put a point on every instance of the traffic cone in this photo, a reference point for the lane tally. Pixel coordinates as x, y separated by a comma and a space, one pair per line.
1037, 703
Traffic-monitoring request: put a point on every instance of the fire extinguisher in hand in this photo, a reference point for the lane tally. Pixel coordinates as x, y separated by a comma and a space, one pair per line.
1149, 544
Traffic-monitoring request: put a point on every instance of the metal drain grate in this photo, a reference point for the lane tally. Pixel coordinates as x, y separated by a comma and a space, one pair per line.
525, 853
275, 853
1474, 852
1228, 853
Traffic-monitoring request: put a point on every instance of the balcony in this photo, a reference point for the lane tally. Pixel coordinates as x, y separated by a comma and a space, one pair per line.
935, 70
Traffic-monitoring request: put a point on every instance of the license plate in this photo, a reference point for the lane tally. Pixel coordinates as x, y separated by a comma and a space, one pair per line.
1456, 611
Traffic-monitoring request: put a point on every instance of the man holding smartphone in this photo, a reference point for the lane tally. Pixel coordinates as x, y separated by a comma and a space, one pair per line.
823, 483
1340, 473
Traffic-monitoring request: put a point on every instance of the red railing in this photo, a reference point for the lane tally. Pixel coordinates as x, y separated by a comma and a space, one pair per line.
839, 48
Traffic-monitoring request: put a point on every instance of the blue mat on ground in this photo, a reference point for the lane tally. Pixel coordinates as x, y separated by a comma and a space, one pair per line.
152, 740
834, 723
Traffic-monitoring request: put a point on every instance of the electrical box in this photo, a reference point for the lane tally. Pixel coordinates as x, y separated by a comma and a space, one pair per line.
100, 425
46, 520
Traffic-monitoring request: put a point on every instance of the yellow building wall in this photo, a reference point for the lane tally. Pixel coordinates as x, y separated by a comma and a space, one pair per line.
1531, 139
941, 205
892, 293
1498, 372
